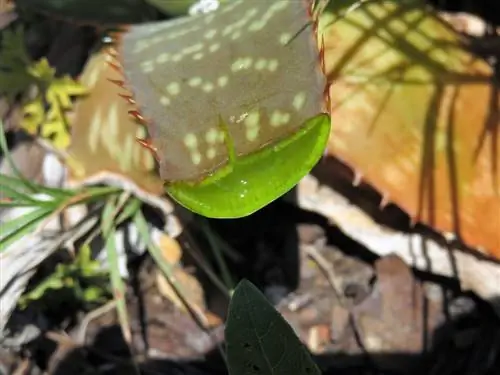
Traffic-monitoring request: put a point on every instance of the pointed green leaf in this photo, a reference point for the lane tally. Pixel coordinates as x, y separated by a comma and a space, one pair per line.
260, 341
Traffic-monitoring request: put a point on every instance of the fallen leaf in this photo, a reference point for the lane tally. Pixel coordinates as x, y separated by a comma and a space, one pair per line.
417, 116
187, 283
170, 248
14, 61
191, 287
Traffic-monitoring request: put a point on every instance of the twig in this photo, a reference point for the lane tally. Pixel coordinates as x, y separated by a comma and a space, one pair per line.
23, 367
327, 268
82, 332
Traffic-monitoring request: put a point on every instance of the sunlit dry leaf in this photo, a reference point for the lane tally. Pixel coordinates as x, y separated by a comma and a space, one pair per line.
172, 253
417, 116
104, 135
170, 247
6, 6
190, 285
14, 60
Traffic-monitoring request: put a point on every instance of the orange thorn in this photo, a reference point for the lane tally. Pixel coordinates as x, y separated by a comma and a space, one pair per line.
413, 221
450, 236
115, 66
117, 82
146, 143
322, 54
384, 201
115, 35
327, 99
357, 179
128, 98
137, 115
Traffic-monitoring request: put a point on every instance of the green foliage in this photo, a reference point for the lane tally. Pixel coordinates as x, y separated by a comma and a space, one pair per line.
260, 341
178, 7
81, 279
46, 112
57, 93
109, 12
14, 63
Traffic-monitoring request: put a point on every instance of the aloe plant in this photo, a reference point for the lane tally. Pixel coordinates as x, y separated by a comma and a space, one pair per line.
234, 102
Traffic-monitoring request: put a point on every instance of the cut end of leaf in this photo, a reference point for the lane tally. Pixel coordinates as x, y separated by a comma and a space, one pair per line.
257, 179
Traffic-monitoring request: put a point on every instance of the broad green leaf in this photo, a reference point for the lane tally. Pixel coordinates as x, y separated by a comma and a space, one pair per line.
260, 341
95, 12
14, 60
177, 7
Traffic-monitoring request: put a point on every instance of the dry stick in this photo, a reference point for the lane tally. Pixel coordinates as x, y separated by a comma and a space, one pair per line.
23, 367
327, 268
94, 314
64, 339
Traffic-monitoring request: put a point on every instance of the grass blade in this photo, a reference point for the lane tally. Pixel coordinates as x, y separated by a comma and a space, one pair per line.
5, 149
12, 230
216, 250
117, 284
130, 209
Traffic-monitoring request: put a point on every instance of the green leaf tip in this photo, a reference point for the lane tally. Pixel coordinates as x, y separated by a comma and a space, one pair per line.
260, 341
251, 182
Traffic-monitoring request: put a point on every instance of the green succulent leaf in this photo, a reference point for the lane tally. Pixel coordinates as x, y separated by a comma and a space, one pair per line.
251, 182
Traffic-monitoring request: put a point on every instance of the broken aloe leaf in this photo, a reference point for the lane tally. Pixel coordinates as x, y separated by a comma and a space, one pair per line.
227, 98
255, 180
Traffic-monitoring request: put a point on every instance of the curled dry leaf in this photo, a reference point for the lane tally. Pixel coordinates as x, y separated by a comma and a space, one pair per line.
172, 253
417, 116
6, 6
104, 135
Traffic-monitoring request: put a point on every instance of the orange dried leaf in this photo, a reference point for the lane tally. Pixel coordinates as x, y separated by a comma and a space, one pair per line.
417, 115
